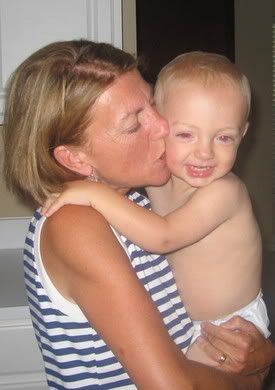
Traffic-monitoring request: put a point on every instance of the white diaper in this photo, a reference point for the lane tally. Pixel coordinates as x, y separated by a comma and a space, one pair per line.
254, 312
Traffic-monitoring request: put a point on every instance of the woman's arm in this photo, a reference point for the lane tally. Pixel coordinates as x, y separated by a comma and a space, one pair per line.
88, 266
197, 218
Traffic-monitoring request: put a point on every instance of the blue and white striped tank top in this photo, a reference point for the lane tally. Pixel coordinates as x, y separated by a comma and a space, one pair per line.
74, 355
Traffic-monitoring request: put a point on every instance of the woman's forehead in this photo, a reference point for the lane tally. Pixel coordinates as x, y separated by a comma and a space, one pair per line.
127, 94
119, 105
131, 83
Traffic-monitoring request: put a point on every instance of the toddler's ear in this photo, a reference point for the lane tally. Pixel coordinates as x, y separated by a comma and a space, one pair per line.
244, 129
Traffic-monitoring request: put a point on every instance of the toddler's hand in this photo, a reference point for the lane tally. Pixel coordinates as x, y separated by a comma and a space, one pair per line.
75, 192
51, 205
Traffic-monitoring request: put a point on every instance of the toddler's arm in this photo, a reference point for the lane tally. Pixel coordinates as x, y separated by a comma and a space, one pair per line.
207, 209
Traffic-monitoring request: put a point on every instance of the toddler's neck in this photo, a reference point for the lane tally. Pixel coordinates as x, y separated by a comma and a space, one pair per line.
170, 196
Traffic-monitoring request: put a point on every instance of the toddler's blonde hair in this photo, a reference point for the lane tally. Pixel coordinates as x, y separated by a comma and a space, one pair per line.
203, 67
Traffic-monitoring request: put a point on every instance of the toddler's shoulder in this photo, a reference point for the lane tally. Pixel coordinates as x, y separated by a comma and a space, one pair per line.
228, 182
228, 188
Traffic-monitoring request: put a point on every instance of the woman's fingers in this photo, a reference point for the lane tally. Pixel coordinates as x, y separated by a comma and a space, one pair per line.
195, 352
246, 350
221, 359
232, 339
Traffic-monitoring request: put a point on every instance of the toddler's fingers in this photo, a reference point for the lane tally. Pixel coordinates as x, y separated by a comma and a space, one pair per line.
52, 204
56, 205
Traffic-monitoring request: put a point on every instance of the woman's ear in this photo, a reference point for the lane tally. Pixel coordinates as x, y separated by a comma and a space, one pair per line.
73, 159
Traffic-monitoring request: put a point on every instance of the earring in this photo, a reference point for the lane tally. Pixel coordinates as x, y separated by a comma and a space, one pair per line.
92, 176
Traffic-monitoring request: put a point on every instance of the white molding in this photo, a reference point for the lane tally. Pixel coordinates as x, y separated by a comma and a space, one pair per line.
18, 343
26, 381
24, 30
13, 232
2, 102
15, 317
104, 21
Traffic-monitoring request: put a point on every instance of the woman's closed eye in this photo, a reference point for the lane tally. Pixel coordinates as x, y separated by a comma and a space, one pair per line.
133, 129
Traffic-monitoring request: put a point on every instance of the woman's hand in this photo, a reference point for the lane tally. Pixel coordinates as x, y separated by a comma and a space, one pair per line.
237, 346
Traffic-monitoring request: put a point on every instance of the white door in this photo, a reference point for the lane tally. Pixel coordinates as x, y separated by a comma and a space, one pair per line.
27, 25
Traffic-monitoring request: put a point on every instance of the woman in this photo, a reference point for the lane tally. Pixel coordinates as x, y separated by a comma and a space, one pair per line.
81, 110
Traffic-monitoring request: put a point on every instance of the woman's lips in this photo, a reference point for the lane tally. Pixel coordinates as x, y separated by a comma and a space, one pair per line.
163, 156
160, 157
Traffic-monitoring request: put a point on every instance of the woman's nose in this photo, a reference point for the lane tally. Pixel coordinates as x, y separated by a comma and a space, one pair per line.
160, 128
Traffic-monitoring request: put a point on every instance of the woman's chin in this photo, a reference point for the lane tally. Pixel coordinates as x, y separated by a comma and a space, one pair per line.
161, 179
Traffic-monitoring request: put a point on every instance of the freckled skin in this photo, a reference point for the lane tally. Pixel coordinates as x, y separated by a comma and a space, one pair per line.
127, 136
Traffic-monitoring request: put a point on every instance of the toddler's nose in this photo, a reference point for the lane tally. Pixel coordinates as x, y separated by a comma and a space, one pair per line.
204, 150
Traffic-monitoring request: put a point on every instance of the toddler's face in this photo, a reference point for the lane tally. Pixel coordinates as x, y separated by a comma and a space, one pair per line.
206, 124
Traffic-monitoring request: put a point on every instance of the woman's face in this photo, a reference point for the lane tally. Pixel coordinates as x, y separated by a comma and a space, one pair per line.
126, 138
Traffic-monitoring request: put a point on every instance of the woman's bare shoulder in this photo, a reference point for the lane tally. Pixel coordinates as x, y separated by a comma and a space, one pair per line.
72, 220
77, 233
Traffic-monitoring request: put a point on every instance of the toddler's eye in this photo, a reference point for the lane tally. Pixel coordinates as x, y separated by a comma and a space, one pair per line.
225, 138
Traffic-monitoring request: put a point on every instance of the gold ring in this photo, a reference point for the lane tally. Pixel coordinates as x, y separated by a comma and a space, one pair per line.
222, 358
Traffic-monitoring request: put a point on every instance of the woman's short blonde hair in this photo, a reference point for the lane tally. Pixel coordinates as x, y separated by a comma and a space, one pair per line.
200, 66
48, 100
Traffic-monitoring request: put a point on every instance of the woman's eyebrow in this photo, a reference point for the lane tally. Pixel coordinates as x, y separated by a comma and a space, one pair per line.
136, 111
